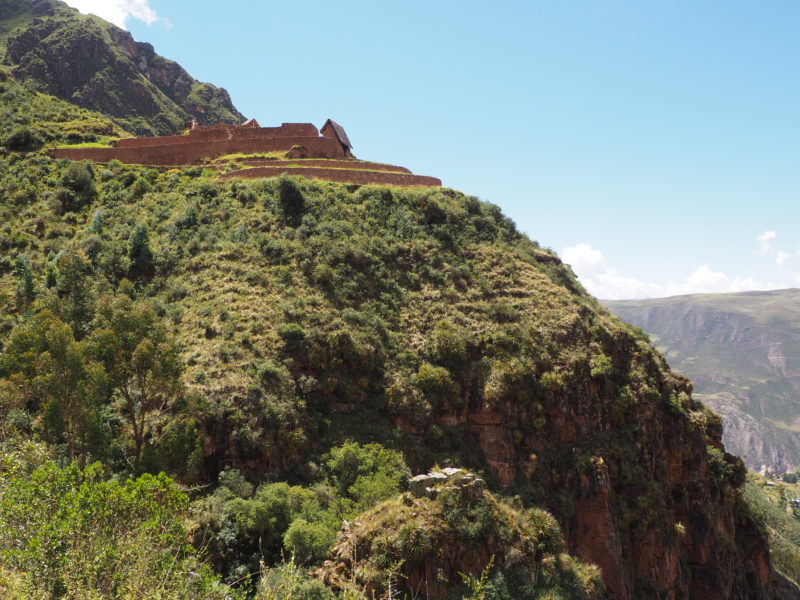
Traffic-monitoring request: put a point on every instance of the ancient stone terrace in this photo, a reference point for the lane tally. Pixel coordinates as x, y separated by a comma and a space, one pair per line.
309, 152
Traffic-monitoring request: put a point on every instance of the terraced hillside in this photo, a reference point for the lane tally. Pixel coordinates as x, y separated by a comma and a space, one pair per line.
307, 314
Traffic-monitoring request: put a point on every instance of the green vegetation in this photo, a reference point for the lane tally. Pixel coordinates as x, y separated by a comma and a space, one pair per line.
398, 544
776, 504
14, 15
30, 120
70, 532
240, 525
168, 321
208, 388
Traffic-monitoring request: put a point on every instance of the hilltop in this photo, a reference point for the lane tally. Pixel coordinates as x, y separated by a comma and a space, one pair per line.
742, 352
96, 65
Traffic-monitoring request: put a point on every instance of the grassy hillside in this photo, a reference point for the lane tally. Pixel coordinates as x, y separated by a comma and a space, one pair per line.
290, 332
290, 351
30, 120
742, 352
14, 15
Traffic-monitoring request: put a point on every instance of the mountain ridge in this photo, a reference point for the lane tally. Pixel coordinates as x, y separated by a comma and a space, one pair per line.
741, 350
96, 65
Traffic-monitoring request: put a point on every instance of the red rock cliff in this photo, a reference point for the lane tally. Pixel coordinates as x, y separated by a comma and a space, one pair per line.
604, 435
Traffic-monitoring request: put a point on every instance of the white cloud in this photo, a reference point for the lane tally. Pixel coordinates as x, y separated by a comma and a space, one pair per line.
583, 258
117, 11
605, 282
781, 257
765, 241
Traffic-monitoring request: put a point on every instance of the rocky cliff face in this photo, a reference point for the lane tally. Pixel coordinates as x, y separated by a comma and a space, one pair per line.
98, 66
740, 350
633, 469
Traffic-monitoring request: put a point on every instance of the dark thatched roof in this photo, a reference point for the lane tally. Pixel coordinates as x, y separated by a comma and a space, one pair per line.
340, 133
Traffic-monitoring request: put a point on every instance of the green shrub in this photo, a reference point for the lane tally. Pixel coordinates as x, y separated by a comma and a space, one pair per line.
26, 291
308, 542
292, 201
79, 179
289, 582
70, 532
23, 139
436, 385
292, 335
366, 473
139, 251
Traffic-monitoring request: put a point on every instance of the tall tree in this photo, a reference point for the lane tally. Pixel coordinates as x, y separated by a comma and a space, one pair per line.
143, 364
72, 298
50, 373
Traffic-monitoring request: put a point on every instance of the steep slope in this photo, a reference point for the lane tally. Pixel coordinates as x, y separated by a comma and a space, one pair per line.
98, 66
310, 312
742, 352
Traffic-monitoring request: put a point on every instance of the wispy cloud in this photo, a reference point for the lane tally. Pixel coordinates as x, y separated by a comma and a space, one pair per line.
607, 283
765, 241
781, 257
117, 11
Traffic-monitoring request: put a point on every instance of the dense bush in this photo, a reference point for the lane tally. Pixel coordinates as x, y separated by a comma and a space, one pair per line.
240, 526
23, 140
72, 533
292, 202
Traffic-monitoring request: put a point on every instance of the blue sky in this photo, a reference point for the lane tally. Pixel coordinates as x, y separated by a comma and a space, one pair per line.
654, 145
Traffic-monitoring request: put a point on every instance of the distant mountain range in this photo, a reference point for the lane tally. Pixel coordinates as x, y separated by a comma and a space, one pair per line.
742, 351
96, 65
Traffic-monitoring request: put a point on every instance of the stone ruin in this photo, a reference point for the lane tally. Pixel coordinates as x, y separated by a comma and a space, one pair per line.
309, 152
429, 485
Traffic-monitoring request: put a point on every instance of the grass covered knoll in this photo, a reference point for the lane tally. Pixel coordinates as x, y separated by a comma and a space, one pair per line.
290, 301
279, 303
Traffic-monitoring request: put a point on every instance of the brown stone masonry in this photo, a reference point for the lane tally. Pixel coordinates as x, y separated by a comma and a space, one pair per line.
340, 175
204, 134
191, 152
302, 144
328, 163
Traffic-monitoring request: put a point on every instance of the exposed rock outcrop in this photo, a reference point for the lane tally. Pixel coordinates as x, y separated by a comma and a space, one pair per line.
630, 465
